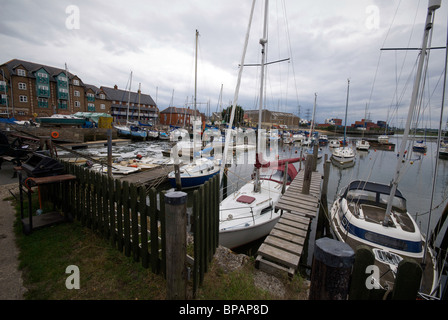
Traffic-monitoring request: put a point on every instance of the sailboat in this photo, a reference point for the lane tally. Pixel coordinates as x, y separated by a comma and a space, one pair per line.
363, 144
201, 169
249, 213
344, 155
375, 214
130, 130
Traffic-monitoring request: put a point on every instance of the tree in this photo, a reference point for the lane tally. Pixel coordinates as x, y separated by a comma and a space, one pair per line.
239, 115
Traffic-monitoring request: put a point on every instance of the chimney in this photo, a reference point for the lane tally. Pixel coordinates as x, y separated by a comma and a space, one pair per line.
115, 87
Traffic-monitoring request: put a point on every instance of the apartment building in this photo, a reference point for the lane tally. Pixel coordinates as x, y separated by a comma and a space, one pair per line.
30, 90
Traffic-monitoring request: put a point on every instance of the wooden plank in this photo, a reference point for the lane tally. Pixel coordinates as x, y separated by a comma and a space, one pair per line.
298, 237
297, 225
304, 211
285, 258
286, 228
295, 217
300, 203
284, 245
272, 268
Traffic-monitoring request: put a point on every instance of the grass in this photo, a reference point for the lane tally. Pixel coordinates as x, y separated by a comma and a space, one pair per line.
107, 274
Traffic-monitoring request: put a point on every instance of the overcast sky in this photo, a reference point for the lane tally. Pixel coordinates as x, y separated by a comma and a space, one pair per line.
326, 41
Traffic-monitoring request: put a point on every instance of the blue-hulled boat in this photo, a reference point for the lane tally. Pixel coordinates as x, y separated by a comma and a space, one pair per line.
196, 173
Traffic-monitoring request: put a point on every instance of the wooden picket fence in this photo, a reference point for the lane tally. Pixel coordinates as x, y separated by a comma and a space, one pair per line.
128, 216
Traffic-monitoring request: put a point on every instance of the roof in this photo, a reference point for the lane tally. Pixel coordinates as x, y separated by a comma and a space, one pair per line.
33, 67
373, 187
180, 110
123, 95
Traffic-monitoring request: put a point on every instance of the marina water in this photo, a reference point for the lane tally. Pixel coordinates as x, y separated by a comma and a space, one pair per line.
373, 165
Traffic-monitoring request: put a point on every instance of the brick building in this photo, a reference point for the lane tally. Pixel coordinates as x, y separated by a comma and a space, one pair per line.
180, 116
29, 89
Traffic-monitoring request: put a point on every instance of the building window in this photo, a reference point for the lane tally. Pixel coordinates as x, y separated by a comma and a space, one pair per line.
4, 99
23, 98
77, 104
77, 94
42, 75
76, 82
21, 72
90, 97
42, 90
102, 96
90, 107
22, 86
62, 105
42, 103
102, 106
3, 86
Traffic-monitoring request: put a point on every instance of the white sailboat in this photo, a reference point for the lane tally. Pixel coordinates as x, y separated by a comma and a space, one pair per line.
363, 144
129, 130
249, 213
344, 154
375, 214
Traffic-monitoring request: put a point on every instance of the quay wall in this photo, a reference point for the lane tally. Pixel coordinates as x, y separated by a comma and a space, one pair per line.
67, 134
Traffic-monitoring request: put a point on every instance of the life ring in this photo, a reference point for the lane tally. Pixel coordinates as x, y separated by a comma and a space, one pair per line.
55, 134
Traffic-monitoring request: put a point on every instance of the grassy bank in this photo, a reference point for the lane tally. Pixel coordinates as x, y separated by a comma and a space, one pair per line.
106, 273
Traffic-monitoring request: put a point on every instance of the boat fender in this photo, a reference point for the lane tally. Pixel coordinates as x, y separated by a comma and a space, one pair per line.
229, 217
55, 134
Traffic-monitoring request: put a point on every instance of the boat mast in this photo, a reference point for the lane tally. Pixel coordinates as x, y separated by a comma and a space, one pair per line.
139, 92
196, 75
263, 42
235, 97
346, 109
432, 7
129, 99
312, 120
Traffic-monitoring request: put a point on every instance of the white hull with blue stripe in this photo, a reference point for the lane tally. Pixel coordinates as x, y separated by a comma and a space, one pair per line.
357, 218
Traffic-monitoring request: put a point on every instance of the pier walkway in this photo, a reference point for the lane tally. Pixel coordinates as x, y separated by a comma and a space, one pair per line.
281, 250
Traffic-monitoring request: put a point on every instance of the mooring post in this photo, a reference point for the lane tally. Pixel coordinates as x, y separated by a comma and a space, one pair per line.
315, 152
285, 176
307, 175
177, 176
407, 283
176, 244
326, 176
362, 286
331, 270
109, 152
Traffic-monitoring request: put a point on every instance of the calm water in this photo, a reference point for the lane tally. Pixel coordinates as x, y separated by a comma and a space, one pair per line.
374, 165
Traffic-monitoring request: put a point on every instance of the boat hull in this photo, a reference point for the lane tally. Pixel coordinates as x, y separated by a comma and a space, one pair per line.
193, 181
340, 224
235, 238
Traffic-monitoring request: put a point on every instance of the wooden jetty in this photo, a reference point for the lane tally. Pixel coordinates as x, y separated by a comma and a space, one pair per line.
93, 144
281, 250
150, 178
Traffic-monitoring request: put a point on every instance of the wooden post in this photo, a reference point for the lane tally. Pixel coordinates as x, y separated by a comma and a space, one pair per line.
177, 176
315, 152
407, 283
363, 258
176, 244
331, 270
307, 175
109, 152
327, 166
285, 176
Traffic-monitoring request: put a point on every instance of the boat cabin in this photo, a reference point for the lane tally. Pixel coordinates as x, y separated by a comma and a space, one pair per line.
367, 202
277, 173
